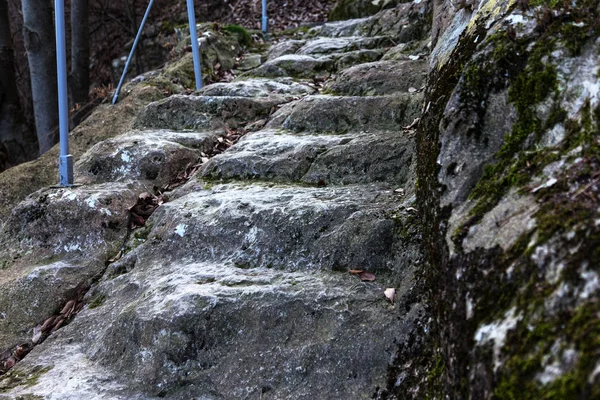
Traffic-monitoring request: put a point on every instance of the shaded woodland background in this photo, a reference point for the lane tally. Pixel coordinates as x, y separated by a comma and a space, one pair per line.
112, 28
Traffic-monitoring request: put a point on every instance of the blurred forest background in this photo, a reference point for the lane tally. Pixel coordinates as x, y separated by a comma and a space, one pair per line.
99, 35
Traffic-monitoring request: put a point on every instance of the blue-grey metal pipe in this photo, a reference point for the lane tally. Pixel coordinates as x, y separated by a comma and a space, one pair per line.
65, 160
265, 19
194, 40
135, 43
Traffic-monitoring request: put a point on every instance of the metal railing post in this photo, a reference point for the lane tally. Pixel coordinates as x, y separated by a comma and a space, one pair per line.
135, 43
265, 19
194, 40
65, 160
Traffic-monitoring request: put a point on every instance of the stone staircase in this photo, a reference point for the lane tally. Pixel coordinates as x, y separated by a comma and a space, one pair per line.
238, 286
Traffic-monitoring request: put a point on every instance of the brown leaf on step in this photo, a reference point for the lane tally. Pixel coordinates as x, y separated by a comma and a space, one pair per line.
366, 276
116, 258
136, 221
145, 205
355, 271
390, 293
48, 323
68, 307
59, 322
10, 362
412, 125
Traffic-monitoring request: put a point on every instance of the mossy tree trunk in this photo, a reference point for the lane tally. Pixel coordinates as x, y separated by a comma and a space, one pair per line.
38, 32
17, 142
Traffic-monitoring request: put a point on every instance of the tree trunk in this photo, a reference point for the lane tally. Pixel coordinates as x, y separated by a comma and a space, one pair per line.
38, 32
132, 16
17, 142
80, 53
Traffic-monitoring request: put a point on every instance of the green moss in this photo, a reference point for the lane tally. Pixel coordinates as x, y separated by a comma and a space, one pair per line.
20, 376
532, 349
96, 301
531, 86
242, 33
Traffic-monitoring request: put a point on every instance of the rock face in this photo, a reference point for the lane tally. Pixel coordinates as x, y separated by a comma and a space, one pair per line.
454, 165
507, 166
238, 285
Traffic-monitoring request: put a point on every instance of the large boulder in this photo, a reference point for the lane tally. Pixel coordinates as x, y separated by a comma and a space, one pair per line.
506, 154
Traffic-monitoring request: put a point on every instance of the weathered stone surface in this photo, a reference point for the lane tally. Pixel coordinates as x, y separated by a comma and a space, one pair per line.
250, 61
105, 122
151, 156
53, 241
67, 222
204, 112
324, 46
289, 228
470, 142
509, 208
379, 78
332, 114
353, 27
351, 58
404, 23
316, 159
295, 65
366, 158
347, 9
174, 326
258, 88
30, 295
283, 48
270, 155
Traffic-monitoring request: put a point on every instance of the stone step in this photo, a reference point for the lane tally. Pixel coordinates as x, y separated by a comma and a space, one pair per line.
341, 114
53, 241
294, 65
379, 78
215, 331
324, 46
274, 226
316, 159
180, 112
258, 88
153, 157
301, 66
405, 23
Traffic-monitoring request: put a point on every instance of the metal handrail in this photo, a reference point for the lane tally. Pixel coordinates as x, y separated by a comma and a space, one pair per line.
65, 160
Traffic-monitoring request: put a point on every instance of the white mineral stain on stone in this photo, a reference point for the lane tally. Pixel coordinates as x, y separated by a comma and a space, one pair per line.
515, 19
71, 247
594, 373
496, 332
71, 196
180, 229
126, 156
91, 201
72, 377
563, 362
592, 284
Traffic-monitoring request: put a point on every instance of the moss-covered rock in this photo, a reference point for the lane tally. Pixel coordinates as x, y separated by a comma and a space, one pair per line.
506, 151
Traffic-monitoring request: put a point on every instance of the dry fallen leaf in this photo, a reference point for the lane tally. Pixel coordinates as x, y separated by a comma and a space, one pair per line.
390, 293
366, 276
355, 271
